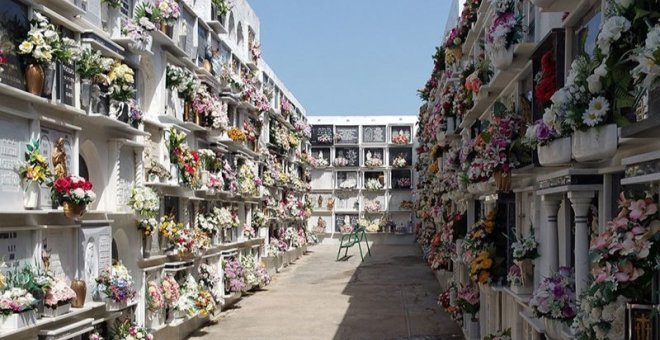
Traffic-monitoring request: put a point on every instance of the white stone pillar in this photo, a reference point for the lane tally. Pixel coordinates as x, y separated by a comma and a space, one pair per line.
114, 149
549, 242
581, 201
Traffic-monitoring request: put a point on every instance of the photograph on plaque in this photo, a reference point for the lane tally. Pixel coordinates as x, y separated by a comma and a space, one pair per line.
347, 134
374, 133
322, 135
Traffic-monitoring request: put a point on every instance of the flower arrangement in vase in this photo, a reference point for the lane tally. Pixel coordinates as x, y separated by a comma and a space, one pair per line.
211, 278
248, 262
144, 201
155, 299
505, 32
248, 181
622, 268
208, 110
33, 173
116, 285
303, 129
185, 304
373, 184
205, 303
74, 193
400, 161
403, 183
44, 47
58, 298
127, 329
222, 7
237, 135
234, 275
468, 300
372, 206
168, 11
554, 299
340, 161
373, 162
15, 301
170, 289
401, 138
181, 80
251, 131
324, 138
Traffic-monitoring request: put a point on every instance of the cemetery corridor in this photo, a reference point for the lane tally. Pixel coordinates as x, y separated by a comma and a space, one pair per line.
391, 295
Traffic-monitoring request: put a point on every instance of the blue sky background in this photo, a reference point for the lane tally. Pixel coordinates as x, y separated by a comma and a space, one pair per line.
352, 57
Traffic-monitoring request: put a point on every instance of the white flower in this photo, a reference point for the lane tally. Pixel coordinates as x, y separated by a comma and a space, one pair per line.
91, 195
594, 84
560, 97
549, 117
599, 106
611, 31
78, 193
601, 70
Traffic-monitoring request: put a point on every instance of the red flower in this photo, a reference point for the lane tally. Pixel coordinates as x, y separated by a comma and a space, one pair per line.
195, 155
189, 169
62, 184
87, 185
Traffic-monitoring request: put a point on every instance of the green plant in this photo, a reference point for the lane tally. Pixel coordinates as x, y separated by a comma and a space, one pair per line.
89, 65
35, 168
222, 6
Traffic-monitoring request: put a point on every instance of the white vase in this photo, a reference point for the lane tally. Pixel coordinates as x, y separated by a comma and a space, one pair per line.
595, 144
472, 327
18, 320
57, 311
557, 152
152, 320
112, 306
174, 172
451, 124
31, 193
502, 58
553, 329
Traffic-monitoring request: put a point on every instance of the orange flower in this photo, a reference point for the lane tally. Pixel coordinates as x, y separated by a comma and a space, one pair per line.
237, 135
484, 276
487, 263
433, 168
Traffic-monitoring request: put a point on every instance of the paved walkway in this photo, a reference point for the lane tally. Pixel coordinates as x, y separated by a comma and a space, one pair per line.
391, 295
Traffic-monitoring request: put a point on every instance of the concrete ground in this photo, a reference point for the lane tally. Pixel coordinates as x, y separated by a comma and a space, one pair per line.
391, 295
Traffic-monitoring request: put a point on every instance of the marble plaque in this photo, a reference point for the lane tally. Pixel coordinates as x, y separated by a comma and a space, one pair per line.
13, 27
16, 249
66, 76
373, 133
14, 134
94, 254
341, 219
347, 134
63, 262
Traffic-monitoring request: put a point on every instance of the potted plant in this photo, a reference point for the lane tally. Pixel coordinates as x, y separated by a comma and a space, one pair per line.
16, 309
115, 285
58, 298
33, 173
74, 193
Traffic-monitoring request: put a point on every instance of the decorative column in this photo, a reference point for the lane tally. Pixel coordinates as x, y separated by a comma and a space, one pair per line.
114, 149
581, 201
549, 244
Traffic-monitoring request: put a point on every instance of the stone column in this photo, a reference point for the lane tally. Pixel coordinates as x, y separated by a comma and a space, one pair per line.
114, 149
581, 201
548, 243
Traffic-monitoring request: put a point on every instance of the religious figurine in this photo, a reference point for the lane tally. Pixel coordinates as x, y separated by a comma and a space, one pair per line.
320, 225
369, 155
45, 257
59, 159
347, 220
320, 201
331, 203
320, 154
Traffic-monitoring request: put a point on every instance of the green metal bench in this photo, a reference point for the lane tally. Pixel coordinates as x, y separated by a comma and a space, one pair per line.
357, 236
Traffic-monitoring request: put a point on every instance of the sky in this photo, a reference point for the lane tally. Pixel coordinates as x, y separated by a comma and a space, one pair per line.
352, 57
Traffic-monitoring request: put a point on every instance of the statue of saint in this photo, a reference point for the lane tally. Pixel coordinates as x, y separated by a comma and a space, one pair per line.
320, 201
59, 159
320, 225
369, 155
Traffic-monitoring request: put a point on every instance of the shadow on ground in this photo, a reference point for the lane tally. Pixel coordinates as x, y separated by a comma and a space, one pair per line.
393, 295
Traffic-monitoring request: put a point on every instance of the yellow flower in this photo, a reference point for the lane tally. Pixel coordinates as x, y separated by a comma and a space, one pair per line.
487, 263
163, 6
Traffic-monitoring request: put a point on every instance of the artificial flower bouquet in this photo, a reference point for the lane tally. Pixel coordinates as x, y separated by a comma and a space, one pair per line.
251, 131
116, 283
74, 193
168, 227
403, 183
372, 206
555, 297
248, 181
373, 184
401, 139
207, 223
324, 138
35, 169
144, 201
237, 135
234, 275
525, 248
189, 290
168, 11
43, 44
350, 183
211, 278
181, 80
623, 265
303, 129
248, 231
229, 176
249, 265
322, 162
400, 161
170, 289
155, 299
16, 300
468, 300
373, 162
507, 29
59, 293
130, 330
340, 162
515, 276
209, 110
205, 303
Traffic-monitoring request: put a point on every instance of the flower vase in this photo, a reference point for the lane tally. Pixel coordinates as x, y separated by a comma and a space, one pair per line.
503, 181
80, 288
31, 195
187, 111
53, 312
596, 143
147, 241
552, 329
204, 178
113, 306
164, 27
206, 64
527, 277
472, 327
39, 308
49, 80
34, 79
73, 211
174, 172
502, 58
85, 94
451, 124
119, 110
557, 152
18, 320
